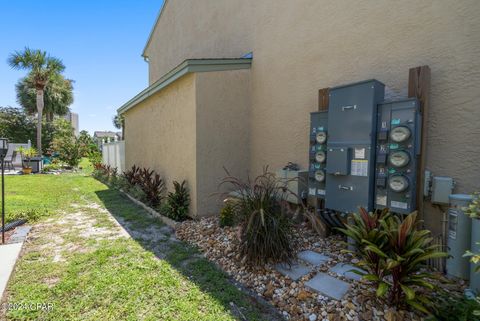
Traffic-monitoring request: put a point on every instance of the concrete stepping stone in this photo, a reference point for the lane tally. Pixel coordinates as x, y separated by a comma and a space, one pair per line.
20, 234
294, 271
313, 258
345, 270
328, 286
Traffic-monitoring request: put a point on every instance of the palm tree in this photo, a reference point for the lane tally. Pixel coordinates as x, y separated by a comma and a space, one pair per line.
42, 67
57, 96
119, 123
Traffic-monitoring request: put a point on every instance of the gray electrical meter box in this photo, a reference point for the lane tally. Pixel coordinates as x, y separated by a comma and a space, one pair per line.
351, 145
317, 154
397, 153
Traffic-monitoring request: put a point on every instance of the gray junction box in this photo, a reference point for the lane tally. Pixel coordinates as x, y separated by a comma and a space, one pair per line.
350, 168
397, 152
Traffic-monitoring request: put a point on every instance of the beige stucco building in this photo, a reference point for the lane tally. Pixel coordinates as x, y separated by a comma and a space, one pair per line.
200, 115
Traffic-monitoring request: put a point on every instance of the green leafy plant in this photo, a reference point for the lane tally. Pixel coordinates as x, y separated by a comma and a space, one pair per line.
178, 202
394, 253
227, 214
69, 150
474, 258
370, 241
265, 227
50, 167
454, 307
31, 215
26, 154
473, 209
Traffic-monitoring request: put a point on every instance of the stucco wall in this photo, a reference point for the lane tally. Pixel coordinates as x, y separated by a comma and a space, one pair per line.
223, 105
190, 29
161, 135
302, 46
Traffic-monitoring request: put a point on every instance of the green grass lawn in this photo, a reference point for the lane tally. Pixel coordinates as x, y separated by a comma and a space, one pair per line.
76, 260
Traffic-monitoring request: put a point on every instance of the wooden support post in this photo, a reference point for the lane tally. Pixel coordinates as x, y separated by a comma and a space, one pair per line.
419, 87
323, 99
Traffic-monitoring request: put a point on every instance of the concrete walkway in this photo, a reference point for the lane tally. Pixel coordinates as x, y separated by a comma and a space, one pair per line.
8, 256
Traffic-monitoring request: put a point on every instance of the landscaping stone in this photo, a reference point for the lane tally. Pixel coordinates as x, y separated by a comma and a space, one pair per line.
313, 258
345, 270
20, 234
296, 298
294, 271
328, 285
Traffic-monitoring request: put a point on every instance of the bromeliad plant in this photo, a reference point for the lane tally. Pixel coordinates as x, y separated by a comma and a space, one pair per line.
394, 252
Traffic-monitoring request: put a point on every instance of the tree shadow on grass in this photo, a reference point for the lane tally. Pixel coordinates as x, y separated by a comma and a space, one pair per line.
160, 239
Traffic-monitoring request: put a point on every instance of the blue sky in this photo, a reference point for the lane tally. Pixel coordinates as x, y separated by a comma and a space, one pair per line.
99, 41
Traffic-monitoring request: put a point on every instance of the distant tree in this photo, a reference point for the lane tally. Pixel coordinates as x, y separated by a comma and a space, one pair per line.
16, 125
19, 127
58, 95
87, 144
119, 123
42, 68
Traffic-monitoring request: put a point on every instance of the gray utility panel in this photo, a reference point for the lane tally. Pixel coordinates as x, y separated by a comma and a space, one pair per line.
352, 115
397, 152
318, 154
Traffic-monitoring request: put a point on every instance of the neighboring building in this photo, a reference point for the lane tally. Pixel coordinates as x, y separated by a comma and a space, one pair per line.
103, 136
199, 115
73, 119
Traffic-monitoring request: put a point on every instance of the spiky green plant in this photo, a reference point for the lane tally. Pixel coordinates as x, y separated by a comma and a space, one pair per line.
178, 202
265, 226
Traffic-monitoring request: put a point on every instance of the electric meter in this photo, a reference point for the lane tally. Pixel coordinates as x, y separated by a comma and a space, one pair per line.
399, 158
321, 137
320, 156
319, 176
398, 183
400, 134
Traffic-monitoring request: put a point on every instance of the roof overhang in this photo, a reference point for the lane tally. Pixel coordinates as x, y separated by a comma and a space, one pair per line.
153, 29
188, 66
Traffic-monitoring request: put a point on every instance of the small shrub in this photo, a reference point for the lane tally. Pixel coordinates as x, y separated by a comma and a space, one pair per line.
94, 156
473, 209
265, 226
152, 185
178, 202
132, 175
366, 231
227, 214
394, 253
451, 307
51, 167
31, 215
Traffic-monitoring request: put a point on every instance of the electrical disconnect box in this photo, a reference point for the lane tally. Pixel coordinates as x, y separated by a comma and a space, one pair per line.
318, 154
442, 187
397, 151
369, 157
352, 119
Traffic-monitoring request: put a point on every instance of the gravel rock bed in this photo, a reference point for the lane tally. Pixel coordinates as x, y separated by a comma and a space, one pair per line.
294, 300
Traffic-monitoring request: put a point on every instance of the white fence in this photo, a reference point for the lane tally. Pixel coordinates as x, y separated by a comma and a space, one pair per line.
113, 154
